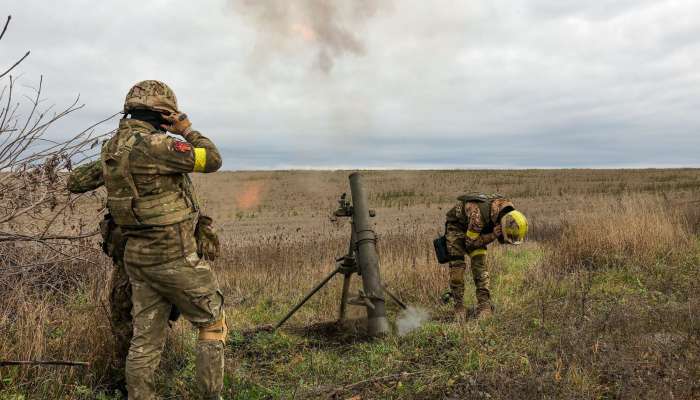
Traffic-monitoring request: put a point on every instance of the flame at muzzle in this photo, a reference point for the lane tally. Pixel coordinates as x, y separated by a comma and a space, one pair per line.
250, 197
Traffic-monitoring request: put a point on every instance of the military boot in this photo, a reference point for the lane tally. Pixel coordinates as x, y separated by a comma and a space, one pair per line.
484, 310
460, 312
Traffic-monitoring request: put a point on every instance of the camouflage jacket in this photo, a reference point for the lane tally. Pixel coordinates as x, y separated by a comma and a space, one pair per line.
86, 177
158, 164
478, 228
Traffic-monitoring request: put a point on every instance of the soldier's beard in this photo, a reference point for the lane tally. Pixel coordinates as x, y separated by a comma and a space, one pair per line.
153, 118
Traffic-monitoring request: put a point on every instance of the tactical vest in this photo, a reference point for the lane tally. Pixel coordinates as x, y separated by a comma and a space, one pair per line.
128, 208
484, 201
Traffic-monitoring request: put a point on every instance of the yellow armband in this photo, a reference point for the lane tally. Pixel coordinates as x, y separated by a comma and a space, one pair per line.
471, 235
200, 159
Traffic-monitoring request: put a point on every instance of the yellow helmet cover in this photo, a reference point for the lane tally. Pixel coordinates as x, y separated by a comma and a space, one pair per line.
514, 226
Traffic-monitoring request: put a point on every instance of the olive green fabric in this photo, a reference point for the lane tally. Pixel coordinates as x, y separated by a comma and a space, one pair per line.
457, 269
456, 243
128, 206
208, 245
151, 95
158, 165
482, 280
210, 367
455, 234
82, 179
189, 284
122, 327
469, 229
161, 261
484, 202
86, 177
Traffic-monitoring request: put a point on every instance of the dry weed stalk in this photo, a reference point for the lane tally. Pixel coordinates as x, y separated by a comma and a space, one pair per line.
33, 194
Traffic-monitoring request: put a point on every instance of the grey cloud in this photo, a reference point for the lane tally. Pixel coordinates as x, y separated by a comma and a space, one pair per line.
482, 83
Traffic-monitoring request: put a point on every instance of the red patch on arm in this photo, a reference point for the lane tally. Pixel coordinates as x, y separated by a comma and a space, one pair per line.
182, 147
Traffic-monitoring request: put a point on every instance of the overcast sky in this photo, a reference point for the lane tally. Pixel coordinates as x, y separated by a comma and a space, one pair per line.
386, 83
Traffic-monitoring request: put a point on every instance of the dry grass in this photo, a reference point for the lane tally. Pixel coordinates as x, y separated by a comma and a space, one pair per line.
602, 303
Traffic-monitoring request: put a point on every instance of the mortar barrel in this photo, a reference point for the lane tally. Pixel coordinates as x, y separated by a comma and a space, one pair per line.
368, 260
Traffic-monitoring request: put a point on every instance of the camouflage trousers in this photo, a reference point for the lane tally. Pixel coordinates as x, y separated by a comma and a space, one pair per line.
189, 284
457, 249
122, 327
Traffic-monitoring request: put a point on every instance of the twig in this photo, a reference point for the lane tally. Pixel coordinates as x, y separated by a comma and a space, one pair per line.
15, 64
23, 238
366, 381
4, 29
5, 363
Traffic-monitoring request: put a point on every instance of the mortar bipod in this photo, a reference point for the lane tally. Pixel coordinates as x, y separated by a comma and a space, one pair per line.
362, 259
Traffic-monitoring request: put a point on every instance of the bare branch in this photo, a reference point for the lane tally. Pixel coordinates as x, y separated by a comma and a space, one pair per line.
15, 64
38, 231
4, 29
5, 363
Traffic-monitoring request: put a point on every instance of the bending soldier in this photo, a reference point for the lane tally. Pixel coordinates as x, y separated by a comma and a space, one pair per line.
472, 224
168, 243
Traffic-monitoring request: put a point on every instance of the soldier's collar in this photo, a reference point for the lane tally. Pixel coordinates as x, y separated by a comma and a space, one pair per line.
134, 123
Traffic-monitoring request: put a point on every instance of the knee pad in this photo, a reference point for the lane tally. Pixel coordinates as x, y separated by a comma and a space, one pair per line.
216, 331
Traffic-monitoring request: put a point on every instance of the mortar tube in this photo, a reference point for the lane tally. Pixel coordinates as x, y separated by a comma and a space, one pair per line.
368, 260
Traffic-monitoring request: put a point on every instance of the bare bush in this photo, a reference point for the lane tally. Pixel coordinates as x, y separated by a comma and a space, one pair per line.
33, 195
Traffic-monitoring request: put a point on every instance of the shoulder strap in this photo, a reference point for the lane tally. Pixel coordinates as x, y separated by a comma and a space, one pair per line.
124, 164
475, 197
485, 210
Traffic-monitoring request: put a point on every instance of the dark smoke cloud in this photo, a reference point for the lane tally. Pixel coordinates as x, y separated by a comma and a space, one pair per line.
331, 27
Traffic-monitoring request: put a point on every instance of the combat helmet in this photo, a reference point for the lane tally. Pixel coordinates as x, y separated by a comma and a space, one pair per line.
151, 95
514, 227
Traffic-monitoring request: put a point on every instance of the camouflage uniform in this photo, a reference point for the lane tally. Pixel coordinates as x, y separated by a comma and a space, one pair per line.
83, 179
151, 199
469, 230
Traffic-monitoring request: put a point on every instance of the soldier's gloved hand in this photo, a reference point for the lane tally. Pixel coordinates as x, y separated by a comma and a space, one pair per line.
498, 231
179, 124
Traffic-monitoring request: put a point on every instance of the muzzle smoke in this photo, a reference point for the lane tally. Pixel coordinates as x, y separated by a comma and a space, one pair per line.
331, 26
411, 319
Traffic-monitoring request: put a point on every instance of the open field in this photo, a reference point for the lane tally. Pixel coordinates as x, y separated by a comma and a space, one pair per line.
603, 302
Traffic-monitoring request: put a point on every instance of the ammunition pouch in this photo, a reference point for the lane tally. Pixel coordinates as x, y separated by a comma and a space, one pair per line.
208, 246
113, 240
442, 252
440, 244
156, 210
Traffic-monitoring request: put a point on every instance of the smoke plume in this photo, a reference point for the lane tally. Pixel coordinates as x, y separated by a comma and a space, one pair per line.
330, 26
411, 319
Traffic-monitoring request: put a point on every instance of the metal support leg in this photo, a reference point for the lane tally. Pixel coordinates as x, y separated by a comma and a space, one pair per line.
308, 296
344, 298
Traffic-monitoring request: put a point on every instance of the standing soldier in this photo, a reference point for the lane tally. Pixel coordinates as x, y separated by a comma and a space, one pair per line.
83, 179
168, 243
472, 224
